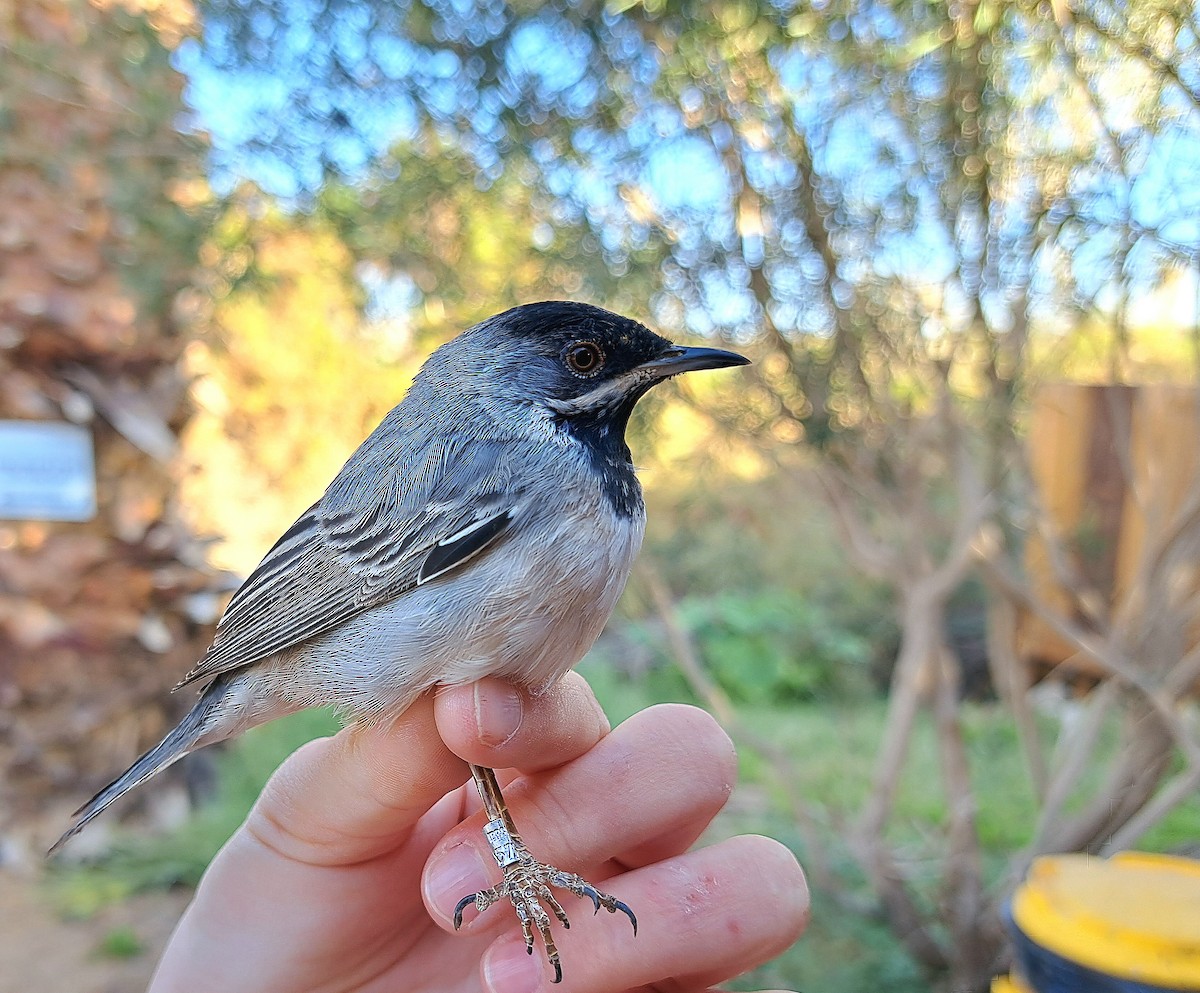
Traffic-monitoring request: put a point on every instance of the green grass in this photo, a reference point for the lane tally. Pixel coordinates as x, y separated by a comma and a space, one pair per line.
832, 747
121, 943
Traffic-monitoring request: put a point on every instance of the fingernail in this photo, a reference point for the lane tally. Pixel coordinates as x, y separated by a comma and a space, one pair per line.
454, 874
508, 969
498, 711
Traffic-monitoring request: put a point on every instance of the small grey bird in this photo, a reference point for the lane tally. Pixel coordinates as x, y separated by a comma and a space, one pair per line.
486, 527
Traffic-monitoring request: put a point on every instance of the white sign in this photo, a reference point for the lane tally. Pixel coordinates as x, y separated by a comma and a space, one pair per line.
47, 472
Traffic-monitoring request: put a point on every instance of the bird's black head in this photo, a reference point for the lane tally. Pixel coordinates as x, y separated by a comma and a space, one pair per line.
589, 366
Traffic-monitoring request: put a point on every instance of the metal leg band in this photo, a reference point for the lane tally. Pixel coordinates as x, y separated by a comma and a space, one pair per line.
504, 848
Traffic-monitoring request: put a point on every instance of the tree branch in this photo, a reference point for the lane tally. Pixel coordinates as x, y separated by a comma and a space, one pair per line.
1097, 650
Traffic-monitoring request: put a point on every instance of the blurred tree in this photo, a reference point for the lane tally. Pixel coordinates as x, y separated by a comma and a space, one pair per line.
96, 239
887, 200
471, 248
283, 384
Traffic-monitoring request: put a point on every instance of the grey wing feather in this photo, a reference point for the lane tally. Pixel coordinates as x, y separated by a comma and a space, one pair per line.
272, 609
364, 543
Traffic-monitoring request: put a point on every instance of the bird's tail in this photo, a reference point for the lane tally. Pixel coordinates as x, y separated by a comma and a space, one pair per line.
183, 738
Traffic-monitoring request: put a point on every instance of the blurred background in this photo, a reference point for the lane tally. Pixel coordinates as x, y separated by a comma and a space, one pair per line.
932, 559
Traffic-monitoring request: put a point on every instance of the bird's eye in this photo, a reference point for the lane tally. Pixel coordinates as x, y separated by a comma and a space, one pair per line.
584, 358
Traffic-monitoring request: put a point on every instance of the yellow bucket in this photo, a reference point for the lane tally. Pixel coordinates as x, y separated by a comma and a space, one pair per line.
1132, 918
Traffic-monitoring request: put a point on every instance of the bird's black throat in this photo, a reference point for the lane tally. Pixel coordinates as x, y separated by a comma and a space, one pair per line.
602, 436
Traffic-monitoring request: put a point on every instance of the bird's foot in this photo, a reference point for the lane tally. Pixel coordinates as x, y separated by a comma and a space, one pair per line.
527, 884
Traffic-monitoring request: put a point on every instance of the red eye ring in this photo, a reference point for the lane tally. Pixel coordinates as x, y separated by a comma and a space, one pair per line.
584, 358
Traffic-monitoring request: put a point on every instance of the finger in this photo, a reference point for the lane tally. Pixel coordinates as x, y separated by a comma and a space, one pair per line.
704, 916
643, 793
495, 724
352, 797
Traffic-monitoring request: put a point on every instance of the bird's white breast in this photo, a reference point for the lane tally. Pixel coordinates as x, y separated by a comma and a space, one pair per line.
527, 609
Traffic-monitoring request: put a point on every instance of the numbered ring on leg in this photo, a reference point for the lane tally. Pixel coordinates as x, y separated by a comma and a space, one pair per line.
504, 847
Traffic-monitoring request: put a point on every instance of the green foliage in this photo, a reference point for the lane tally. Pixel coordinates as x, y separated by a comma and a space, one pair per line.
79, 891
1179, 833
765, 593
473, 249
122, 943
766, 647
776, 648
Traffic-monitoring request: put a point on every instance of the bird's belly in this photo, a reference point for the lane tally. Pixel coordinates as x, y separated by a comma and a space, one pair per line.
527, 610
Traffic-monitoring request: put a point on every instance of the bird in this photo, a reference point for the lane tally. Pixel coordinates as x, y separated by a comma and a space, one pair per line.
486, 527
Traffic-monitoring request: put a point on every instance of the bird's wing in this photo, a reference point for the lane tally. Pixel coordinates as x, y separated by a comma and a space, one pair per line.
370, 539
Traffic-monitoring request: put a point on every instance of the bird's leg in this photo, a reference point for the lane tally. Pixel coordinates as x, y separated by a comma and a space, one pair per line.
527, 881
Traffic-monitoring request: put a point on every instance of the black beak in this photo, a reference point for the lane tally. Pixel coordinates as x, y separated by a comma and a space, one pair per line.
677, 359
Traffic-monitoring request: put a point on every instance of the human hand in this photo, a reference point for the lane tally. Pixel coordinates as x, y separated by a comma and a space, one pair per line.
345, 875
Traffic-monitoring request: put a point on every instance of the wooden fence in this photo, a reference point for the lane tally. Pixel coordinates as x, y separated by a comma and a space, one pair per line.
1117, 469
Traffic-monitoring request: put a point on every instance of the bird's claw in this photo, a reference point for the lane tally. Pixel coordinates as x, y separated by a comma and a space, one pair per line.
609, 903
461, 906
527, 885
591, 891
